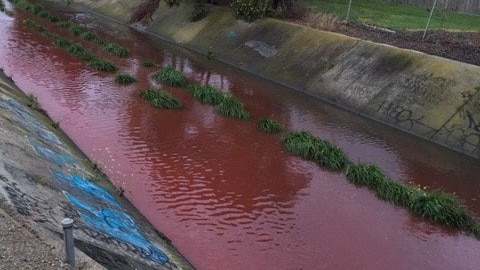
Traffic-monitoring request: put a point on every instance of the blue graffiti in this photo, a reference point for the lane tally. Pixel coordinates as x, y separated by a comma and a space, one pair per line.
28, 122
57, 158
118, 225
87, 188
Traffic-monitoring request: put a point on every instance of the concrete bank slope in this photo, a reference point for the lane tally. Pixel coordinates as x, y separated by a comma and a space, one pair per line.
431, 97
45, 178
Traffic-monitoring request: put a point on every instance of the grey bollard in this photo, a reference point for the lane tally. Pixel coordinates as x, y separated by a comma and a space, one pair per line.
67, 224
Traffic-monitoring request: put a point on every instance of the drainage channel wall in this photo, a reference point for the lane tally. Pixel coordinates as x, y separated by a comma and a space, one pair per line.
431, 97
44, 178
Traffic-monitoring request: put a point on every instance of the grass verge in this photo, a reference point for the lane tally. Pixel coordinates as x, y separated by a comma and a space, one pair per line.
397, 16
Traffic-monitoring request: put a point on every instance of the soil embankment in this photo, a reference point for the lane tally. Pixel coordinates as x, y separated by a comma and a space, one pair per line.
431, 97
45, 178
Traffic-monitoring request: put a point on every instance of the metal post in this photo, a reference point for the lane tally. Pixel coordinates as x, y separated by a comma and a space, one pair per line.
428, 23
348, 11
67, 224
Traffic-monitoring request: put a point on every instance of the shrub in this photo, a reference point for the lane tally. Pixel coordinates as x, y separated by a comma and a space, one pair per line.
304, 144
199, 12
102, 65
169, 76
231, 107
43, 14
125, 79
206, 94
269, 125
250, 10
160, 99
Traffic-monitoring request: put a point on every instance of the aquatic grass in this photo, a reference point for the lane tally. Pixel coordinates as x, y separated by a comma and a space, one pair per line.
63, 42
160, 99
305, 145
206, 94
169, 76
102, 65
232, 107
148, 63
65, 24
396, 193
76, 29
441, 208
125, 79
79, 51
88, 36
365, 175
43, 14
52, 18
269, 125
116, 49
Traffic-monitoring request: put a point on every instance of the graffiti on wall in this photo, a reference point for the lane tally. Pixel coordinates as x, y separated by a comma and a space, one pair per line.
97, 212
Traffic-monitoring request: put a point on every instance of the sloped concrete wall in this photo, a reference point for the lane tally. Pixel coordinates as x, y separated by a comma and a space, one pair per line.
431, 97
45, 178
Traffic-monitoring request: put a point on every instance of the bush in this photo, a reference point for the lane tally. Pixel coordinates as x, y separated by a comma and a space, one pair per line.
125, 79
365, 175
269, 125
199, 12
231, 107
206, 94
169, 76
250, 10
396, 193
160, 99
304, 144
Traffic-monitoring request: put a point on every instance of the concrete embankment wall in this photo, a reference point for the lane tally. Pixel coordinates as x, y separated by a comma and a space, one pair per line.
44, 178
431, 97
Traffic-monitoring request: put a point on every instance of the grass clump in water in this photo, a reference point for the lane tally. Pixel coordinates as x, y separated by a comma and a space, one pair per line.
206, 94
305, 145
160, 99
442, 208
102, 65
88, 36
269, 125
231, 107
365, 175
116, 49
169, 76
125, 79
79, 52
148, 63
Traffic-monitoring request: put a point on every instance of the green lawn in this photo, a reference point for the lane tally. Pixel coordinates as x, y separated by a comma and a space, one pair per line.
397, 16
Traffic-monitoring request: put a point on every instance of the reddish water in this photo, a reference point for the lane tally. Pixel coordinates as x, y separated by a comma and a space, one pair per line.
227, 195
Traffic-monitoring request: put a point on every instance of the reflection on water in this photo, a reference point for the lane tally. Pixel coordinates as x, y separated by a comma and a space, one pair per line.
227, 195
